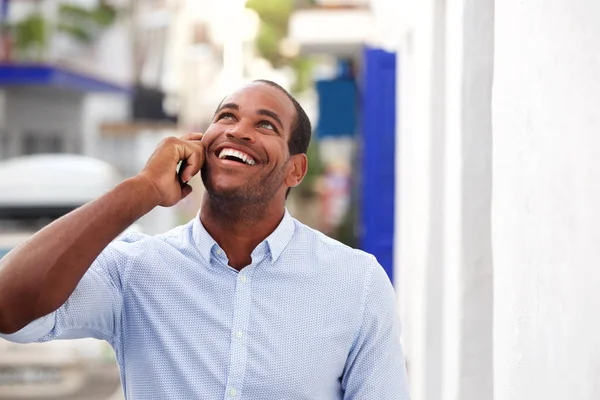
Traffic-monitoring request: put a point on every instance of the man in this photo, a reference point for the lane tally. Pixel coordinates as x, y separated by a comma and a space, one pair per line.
242, 302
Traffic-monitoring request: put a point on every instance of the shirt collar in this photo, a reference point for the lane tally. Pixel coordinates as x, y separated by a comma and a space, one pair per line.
276, 241
281, 236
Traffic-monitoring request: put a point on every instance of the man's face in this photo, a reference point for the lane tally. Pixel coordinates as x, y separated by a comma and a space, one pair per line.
247, 145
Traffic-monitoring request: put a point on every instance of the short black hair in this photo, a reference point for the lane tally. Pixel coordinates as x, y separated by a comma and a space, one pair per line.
301, 128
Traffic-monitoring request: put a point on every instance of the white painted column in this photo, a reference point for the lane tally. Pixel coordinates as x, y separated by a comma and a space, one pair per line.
419, 229
404, 275
546, 202
468, 289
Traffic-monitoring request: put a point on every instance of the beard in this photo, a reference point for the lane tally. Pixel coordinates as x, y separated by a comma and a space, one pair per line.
257, 192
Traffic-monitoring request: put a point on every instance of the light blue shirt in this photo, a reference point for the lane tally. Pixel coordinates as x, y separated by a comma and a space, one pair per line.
310, 318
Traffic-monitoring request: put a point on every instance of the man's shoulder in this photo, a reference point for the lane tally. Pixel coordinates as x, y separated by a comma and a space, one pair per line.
328, 249
138, 240
176, 233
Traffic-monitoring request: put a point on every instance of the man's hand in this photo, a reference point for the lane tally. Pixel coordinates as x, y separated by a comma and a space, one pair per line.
161, 168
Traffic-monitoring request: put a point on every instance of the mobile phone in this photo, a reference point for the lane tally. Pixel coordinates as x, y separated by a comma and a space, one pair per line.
180, 167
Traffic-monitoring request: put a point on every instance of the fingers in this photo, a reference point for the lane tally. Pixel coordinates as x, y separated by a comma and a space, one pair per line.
193, 163
184, 145
161, 167
192, 154
192, 136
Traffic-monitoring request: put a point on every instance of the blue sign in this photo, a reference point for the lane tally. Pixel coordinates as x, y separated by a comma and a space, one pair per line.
337, 108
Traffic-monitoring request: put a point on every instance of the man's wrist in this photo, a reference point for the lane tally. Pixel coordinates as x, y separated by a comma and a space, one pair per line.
144, 190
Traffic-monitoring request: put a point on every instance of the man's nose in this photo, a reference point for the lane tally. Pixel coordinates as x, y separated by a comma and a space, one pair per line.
241, 131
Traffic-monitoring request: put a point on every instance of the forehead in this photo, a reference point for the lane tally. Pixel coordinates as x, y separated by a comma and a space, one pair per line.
260, 96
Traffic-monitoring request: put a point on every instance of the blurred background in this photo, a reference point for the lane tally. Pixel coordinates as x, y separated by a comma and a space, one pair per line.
89, 87
456, 140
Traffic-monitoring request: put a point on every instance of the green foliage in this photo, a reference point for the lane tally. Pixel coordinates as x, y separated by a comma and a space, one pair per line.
79, 33
274, 17
275, 12
83, 24
303, 67
267, 43
105, 15
31, 36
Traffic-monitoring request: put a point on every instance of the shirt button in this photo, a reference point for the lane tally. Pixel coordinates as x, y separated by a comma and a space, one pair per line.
239, 334
232, 392
219, 251
243, 278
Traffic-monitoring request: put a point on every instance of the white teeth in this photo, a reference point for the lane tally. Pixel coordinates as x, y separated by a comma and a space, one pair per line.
238, 154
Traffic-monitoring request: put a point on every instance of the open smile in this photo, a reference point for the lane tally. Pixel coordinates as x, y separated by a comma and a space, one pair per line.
236, 156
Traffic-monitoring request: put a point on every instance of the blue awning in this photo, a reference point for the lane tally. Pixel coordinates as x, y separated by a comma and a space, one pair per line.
46, 75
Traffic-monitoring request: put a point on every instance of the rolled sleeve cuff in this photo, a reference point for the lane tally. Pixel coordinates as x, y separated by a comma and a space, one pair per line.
33, 332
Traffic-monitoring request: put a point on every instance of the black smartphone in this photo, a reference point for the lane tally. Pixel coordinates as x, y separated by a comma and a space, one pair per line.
181, 166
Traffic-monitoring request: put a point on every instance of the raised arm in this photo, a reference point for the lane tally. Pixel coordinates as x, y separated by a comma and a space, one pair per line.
37, 277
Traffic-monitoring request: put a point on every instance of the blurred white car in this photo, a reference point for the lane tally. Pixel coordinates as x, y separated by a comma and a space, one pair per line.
34, 190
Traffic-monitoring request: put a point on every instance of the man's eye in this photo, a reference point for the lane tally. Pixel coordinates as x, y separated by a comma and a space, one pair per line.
225, 116
267, 125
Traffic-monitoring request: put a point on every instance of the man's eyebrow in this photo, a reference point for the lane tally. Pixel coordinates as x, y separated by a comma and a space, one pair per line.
272, 115
230, 106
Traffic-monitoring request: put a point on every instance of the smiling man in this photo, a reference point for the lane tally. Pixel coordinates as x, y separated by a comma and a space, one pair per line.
243, 302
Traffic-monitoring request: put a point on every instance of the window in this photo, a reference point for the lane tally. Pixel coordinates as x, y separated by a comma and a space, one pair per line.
4, 143
37, 143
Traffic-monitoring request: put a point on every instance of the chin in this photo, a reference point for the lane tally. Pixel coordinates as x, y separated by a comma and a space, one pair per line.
218, 182
225, 188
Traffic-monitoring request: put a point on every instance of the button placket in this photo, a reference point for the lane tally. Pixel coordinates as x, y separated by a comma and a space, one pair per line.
239, 339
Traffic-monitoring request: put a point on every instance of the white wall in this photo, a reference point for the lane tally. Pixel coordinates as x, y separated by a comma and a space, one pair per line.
418, 232
468, 288
99, 108
443, 235
546, 213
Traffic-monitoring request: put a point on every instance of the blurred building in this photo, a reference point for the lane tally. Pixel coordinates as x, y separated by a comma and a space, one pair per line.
59, 80
70, 79
110, 79
355, 128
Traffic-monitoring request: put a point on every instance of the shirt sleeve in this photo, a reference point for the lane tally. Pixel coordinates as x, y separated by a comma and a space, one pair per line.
93, 309
375, 368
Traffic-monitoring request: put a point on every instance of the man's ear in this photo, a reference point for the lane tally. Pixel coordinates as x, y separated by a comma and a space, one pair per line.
297, 170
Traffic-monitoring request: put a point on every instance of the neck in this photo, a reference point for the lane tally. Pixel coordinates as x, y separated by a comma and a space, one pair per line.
237, 228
